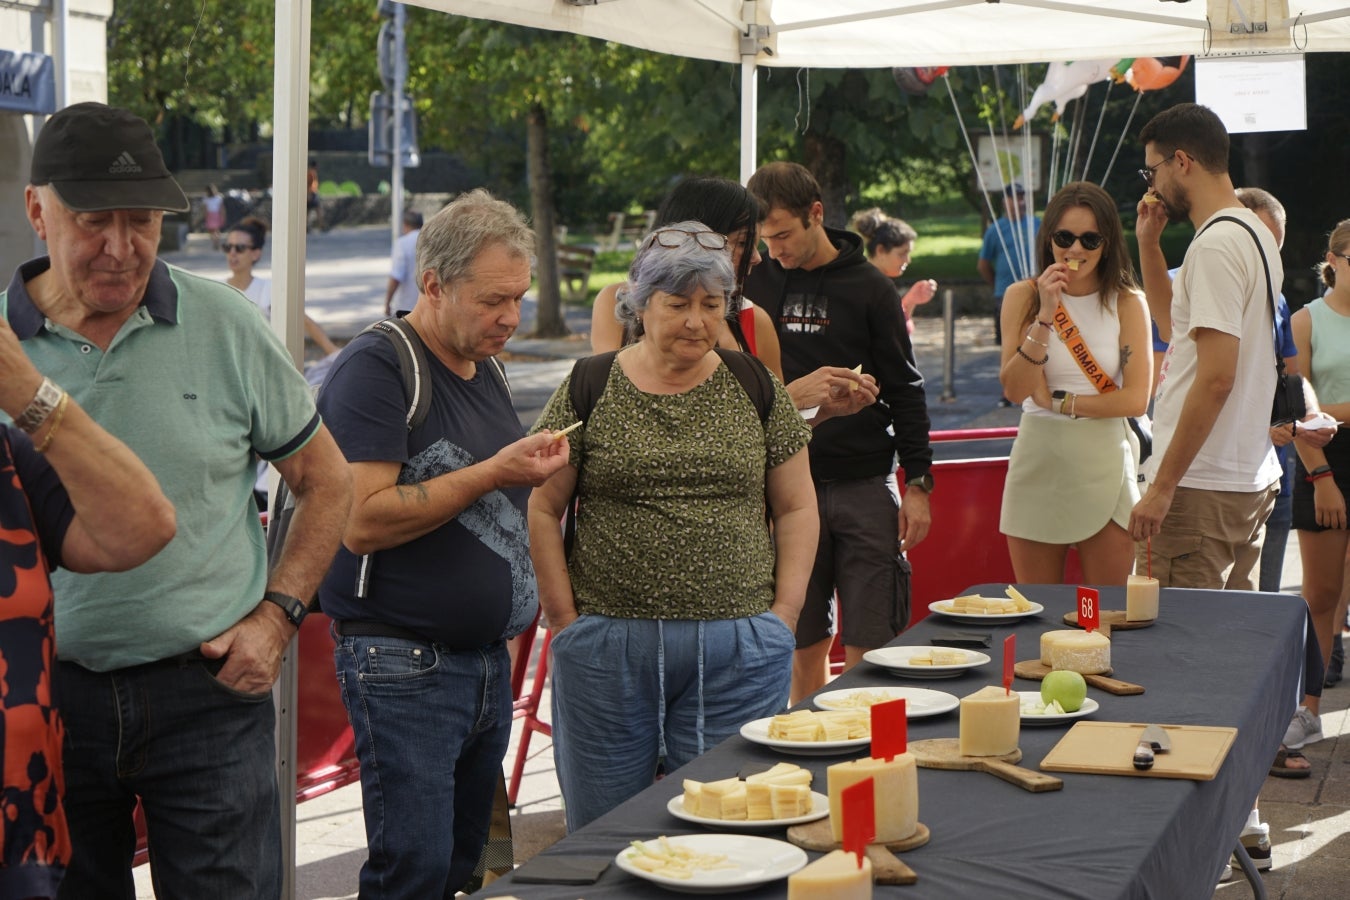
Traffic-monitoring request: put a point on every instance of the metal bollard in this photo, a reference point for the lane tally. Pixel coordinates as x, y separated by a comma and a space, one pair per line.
948, 347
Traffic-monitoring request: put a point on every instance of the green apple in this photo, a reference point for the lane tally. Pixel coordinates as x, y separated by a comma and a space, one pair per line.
1064, 686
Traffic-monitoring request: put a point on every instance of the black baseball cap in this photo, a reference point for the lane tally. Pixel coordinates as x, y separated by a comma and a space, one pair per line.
1014, 188
99, 157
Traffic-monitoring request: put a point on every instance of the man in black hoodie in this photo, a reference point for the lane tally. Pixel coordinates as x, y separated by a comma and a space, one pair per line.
835, 311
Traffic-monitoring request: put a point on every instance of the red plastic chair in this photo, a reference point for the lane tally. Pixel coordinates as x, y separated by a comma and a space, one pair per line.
526, 706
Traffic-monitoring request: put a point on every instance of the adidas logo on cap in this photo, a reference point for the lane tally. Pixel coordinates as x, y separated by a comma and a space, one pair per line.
124, 165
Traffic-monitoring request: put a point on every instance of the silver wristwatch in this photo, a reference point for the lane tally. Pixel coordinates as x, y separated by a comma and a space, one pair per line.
40, 407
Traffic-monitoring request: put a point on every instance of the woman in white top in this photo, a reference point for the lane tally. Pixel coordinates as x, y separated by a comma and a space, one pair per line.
1076, 356
243, 248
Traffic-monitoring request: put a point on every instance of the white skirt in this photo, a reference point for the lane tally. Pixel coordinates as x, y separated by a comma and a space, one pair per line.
1068, 477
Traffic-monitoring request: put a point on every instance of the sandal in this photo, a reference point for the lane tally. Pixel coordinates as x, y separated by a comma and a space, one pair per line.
1281, 768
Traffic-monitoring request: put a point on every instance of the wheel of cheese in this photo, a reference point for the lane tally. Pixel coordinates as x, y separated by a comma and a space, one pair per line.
1087, 653
1048, 640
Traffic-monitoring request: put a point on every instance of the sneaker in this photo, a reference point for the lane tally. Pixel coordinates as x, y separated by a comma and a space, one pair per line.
1256, 840
1305, 729
1225, 873
1004, 403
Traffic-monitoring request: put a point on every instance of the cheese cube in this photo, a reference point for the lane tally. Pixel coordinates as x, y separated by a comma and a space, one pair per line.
895, 790
1048, 640
789, 800
991, 721
1087, 653
835, 876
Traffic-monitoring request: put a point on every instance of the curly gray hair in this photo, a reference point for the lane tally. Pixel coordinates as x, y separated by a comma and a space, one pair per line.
674, 270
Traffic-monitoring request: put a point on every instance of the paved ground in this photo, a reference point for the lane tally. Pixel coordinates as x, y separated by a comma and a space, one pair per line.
346, 278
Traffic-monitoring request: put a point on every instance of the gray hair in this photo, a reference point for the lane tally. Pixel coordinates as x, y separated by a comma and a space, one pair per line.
452, 239
673, 270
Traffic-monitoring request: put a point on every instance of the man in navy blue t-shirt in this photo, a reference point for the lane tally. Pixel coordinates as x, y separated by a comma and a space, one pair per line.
434, 574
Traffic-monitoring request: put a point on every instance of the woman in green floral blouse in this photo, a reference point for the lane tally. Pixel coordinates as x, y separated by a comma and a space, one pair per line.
673, 618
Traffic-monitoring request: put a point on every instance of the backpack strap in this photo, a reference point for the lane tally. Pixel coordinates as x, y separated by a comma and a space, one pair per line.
589, 377
754, 377
412, 366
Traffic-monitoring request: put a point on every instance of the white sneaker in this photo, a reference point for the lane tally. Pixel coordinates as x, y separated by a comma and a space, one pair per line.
1256, 838
1304, 729
1226, 873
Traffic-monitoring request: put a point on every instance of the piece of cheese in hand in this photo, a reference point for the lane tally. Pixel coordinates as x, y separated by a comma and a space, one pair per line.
1073, 264
1048, 641
1087, 653
1150, 198
856, 370
991, 721
895, 790
835, 876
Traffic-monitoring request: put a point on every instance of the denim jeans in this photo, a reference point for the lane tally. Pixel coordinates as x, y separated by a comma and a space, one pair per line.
431, 728
1277, 534
202, 759
629, 692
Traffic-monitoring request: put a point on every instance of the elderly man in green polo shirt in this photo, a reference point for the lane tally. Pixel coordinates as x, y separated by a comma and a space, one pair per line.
165, 671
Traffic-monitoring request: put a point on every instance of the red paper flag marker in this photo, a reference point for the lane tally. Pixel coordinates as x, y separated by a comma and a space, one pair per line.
1009, 660
890, 729
859, 809
1089, 610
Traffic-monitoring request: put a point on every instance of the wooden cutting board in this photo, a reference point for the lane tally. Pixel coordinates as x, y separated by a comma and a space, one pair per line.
1107, 748
1035, 670
1111, 618
886, 867
945, 753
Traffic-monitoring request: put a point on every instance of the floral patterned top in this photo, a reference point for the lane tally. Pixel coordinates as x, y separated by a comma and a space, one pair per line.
670, 520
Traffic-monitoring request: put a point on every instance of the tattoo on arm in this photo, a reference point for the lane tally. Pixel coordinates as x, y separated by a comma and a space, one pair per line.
417, 492
1124, 355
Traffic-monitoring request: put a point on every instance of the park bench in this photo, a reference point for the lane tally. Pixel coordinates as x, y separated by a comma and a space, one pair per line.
574, 271
627, 229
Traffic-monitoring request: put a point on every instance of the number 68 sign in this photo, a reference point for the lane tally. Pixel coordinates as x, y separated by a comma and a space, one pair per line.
1089, 610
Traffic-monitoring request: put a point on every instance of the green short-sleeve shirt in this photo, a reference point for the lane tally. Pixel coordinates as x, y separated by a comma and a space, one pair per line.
670, 523
195, 383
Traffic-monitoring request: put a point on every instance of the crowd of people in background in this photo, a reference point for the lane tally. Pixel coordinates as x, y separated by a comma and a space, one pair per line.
760, 409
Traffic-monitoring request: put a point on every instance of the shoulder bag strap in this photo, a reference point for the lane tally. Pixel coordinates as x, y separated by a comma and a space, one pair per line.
1270, 287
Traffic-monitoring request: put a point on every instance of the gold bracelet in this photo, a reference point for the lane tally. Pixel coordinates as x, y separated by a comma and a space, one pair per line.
1073, 406
57, 416
1028, 337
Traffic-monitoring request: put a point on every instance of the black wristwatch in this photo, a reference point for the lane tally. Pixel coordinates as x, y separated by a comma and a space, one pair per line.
923, 482
294, 608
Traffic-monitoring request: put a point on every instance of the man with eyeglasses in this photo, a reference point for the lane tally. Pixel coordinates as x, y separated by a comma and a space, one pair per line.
834, 311
1213, 476
435, 574
165, 671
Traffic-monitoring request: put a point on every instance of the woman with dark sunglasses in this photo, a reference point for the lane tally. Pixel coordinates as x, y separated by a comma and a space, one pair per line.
1076, 356
243, 248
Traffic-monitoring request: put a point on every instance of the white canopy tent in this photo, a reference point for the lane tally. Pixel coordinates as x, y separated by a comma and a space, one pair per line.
791, 33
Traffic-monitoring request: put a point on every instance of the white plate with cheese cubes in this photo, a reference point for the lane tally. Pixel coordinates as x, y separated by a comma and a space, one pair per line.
919, 702
758, 732
711, 863
820, 808
1031, 700
926, 662
945, 608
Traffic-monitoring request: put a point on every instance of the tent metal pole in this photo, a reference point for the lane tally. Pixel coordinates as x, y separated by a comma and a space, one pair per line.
290, 143
749, 107
1086, 10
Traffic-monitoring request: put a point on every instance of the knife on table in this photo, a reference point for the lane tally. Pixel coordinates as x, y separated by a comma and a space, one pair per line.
1154, 739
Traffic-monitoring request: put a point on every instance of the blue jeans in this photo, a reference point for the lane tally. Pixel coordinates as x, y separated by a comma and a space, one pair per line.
431, 729
202, 759
1277, 533
628, 693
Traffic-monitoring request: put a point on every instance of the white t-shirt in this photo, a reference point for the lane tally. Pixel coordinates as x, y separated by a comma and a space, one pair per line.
259, 290
1222, 285
404, 271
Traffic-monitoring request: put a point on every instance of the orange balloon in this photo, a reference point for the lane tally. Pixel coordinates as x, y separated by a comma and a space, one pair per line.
1150, 74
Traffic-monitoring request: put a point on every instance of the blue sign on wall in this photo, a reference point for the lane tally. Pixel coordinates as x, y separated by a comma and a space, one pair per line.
27, 83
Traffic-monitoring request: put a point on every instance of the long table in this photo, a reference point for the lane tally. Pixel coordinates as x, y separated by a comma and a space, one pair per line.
1212, 658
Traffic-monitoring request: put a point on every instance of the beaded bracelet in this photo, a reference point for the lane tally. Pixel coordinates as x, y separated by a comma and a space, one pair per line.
1034, 362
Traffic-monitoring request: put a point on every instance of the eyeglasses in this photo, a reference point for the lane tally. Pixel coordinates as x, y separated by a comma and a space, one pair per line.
1148, 172
671, 238
1090, 240
237, 248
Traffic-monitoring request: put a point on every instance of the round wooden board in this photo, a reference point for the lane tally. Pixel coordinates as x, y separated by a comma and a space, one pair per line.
1035, 670
819, 837
1113, 617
